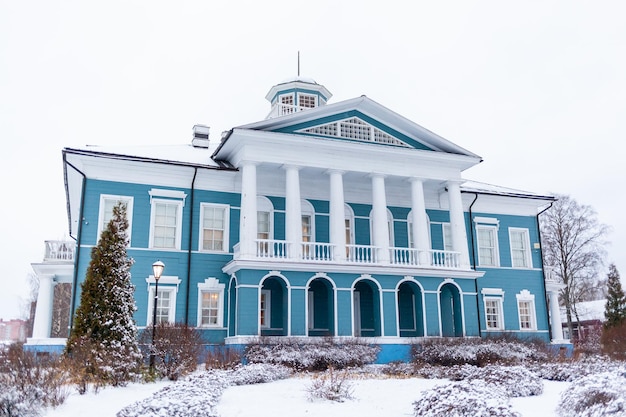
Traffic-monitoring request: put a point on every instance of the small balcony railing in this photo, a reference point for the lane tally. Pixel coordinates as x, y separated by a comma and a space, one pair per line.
431, 258
59, 250
361, 254
280, 109
314, 251
270, 248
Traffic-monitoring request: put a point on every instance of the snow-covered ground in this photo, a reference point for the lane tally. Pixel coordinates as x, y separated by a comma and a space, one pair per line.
372, 398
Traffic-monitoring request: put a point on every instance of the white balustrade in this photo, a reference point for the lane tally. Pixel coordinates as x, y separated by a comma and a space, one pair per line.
363, 254
270, 248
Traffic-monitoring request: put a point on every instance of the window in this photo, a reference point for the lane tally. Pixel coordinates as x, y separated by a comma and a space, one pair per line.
520, 248
447, 237
307, 100
264, 218
107, 202
286, 104
264, 310
166, 218
493, 313
210, 303
526, 310
409, 225
487, 245
215, 222
306, 228
165, 307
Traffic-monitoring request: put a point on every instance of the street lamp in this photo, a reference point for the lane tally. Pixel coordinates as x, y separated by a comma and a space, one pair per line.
157, 270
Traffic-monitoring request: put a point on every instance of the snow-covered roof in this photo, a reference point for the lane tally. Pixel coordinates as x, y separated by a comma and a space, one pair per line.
484, 188
588, 310
183, 154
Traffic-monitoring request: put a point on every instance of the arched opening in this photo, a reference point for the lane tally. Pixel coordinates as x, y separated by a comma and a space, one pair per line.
410, 310
450, 311
366, 304
273, 307
321, 308
232, 308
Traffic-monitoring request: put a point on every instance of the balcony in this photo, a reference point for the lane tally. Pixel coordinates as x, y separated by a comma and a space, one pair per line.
59, 250
324, 253
280, 109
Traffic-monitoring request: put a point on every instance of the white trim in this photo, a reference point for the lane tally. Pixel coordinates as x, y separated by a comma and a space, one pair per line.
128, 200
526, 243
174, 194
496, 250
499, 300
171, 314
526, 296
494, 292
164, 280
211, 285
179, 221
226, 230
487, 220
267, 294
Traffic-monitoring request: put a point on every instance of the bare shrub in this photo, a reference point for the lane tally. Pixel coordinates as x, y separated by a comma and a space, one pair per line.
29, 382
589, 343
223, 357
613, 341
330, 385
177, 349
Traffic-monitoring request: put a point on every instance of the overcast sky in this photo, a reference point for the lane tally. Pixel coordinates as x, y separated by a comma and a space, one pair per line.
537, 88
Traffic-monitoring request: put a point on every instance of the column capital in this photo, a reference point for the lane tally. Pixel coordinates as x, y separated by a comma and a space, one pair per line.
416, 179
288, 167
377, 175
335, 171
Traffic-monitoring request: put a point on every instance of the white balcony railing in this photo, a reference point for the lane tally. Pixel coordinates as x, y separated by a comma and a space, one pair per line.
280, 109
59, 250
270, 248
280, 250
315, 251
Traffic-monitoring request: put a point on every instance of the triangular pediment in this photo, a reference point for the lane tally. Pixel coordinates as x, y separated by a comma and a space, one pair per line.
359, 120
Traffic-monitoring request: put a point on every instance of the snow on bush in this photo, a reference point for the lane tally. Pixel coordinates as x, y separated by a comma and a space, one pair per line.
257, 373
198, 394
479, 352
514, 381
570, 370
466, 398
312, 356
596, 395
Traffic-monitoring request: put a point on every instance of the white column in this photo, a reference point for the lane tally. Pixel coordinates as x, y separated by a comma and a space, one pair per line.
457, 223
337, 216
555, 317
420, 221
380, 228
248, 215
293, 212
43, 313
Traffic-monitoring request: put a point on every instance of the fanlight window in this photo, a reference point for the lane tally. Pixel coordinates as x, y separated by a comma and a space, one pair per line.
355, 129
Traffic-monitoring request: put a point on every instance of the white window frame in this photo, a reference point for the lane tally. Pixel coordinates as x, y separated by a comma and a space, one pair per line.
446, 230
496, 253
226, 230
264, 205
178, 200
102, 212
265, 306
307, 95
526, 297
211, 285
307, 209
526, 247
495, 295
171, 308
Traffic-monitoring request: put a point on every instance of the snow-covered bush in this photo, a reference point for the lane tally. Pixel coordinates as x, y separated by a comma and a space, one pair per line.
569, 370
514, 381
312, 356
257, 373
479, 352
461, 399
330, 385
596, 395
197, 395
28, 383
177, 348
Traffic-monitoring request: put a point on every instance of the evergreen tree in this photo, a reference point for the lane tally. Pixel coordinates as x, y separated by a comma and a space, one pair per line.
104, 334
615, 309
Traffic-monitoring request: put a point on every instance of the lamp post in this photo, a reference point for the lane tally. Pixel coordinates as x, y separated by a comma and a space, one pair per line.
157, 270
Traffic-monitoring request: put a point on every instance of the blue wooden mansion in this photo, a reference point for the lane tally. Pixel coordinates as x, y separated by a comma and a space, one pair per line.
343, 220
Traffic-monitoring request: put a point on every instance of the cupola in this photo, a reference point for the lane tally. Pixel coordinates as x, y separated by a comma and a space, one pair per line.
296, 94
